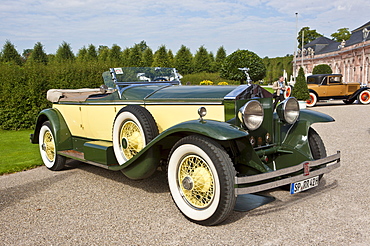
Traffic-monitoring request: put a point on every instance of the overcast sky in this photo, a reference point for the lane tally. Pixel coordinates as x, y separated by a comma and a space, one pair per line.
266, 27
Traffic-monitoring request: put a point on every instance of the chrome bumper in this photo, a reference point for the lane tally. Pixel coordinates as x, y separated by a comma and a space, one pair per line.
304, 166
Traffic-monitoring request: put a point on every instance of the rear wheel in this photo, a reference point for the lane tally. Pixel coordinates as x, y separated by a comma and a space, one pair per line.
364, 97
201, 180
312, 101
48, 149
134, 127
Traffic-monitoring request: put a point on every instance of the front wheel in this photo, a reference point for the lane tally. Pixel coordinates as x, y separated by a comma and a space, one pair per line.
201, 180
317, 146
364, 97
48, 149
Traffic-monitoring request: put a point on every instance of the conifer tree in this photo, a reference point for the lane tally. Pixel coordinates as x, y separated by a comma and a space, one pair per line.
202, 61
300, 90
92, 54
184, 60
38, 54
64, 53
147, 57
10, 54
161, 57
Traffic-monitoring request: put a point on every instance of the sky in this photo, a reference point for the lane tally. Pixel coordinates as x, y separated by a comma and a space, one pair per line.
266, 27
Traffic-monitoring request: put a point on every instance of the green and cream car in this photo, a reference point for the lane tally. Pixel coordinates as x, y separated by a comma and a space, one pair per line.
215, 142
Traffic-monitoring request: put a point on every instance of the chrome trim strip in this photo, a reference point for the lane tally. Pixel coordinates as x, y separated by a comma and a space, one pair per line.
236, 92
285, 171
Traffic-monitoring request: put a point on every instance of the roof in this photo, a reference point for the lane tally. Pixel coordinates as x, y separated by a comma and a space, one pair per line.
323, 45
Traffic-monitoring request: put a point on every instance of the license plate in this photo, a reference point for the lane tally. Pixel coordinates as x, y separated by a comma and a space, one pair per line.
304, 185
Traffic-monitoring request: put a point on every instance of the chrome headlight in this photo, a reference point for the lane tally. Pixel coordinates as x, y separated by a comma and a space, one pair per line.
288, 110
251, 114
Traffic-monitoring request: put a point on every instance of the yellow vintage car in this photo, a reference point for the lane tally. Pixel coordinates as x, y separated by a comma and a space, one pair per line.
215, 142
331, 86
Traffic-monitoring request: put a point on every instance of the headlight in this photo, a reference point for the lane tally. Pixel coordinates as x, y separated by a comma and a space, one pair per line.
251, 114
288, 110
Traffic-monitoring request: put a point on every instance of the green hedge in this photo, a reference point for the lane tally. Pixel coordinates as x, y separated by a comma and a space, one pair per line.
23, 88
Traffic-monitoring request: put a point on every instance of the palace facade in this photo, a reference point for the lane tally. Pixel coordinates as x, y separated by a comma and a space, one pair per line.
350, 58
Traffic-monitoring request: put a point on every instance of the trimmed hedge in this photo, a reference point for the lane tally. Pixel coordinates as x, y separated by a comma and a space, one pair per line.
23, 88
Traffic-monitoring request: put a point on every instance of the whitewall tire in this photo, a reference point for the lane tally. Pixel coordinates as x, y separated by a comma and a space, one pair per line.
48, 148
201, 180
134, 127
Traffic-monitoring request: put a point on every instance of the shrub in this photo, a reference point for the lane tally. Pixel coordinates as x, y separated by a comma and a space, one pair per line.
300, 90
322, 69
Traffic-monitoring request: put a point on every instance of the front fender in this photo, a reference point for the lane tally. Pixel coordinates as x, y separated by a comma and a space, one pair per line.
214, 129
63, 137
313, 116
146, 158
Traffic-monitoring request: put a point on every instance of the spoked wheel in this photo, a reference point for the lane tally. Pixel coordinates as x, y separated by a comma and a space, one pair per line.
48, 149
312, 101
364, 97
201, 180
134, 127
287, 92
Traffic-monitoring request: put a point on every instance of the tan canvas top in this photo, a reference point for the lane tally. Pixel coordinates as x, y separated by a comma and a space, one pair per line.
74, 95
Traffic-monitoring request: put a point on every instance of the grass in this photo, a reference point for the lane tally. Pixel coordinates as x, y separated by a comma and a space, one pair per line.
16, 152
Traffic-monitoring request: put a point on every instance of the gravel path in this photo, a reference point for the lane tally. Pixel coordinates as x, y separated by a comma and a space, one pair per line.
87, 205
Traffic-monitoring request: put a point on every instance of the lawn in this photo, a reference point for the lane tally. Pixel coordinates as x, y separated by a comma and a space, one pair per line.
16, 152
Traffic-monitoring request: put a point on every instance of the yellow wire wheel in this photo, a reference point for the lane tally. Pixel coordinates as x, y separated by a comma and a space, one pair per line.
133, 128
48, 148
201, 179
196, 181
132, 140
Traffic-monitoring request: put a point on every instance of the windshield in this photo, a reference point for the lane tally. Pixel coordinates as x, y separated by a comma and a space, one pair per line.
145, 74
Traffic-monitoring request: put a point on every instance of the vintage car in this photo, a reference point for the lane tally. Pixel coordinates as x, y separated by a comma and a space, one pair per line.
214, 142
330, 86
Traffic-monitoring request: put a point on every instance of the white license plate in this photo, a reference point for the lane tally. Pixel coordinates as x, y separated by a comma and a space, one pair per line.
304, 185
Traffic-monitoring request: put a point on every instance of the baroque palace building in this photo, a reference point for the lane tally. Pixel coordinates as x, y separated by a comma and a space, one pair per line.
350, 58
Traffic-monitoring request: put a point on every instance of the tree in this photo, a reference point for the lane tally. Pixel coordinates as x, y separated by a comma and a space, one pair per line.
161, 57
10, 54
38, 54
300, 90
82, 54
220, 57
147, 57
135, 57
92, 54
341, 34
309, 36
115, 55
202, 60
184, 60
240, 59
103, 53
64, 53
322, 69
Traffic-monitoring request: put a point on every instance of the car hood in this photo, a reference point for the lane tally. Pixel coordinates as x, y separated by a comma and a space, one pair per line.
157, 93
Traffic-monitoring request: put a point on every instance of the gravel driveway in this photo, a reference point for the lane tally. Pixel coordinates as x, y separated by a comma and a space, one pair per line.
87, 205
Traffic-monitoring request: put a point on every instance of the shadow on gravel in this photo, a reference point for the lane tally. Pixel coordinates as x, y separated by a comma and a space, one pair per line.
278, 205
12, 195
157, 183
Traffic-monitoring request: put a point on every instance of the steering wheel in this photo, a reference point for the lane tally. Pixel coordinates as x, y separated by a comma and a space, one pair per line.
160, 79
